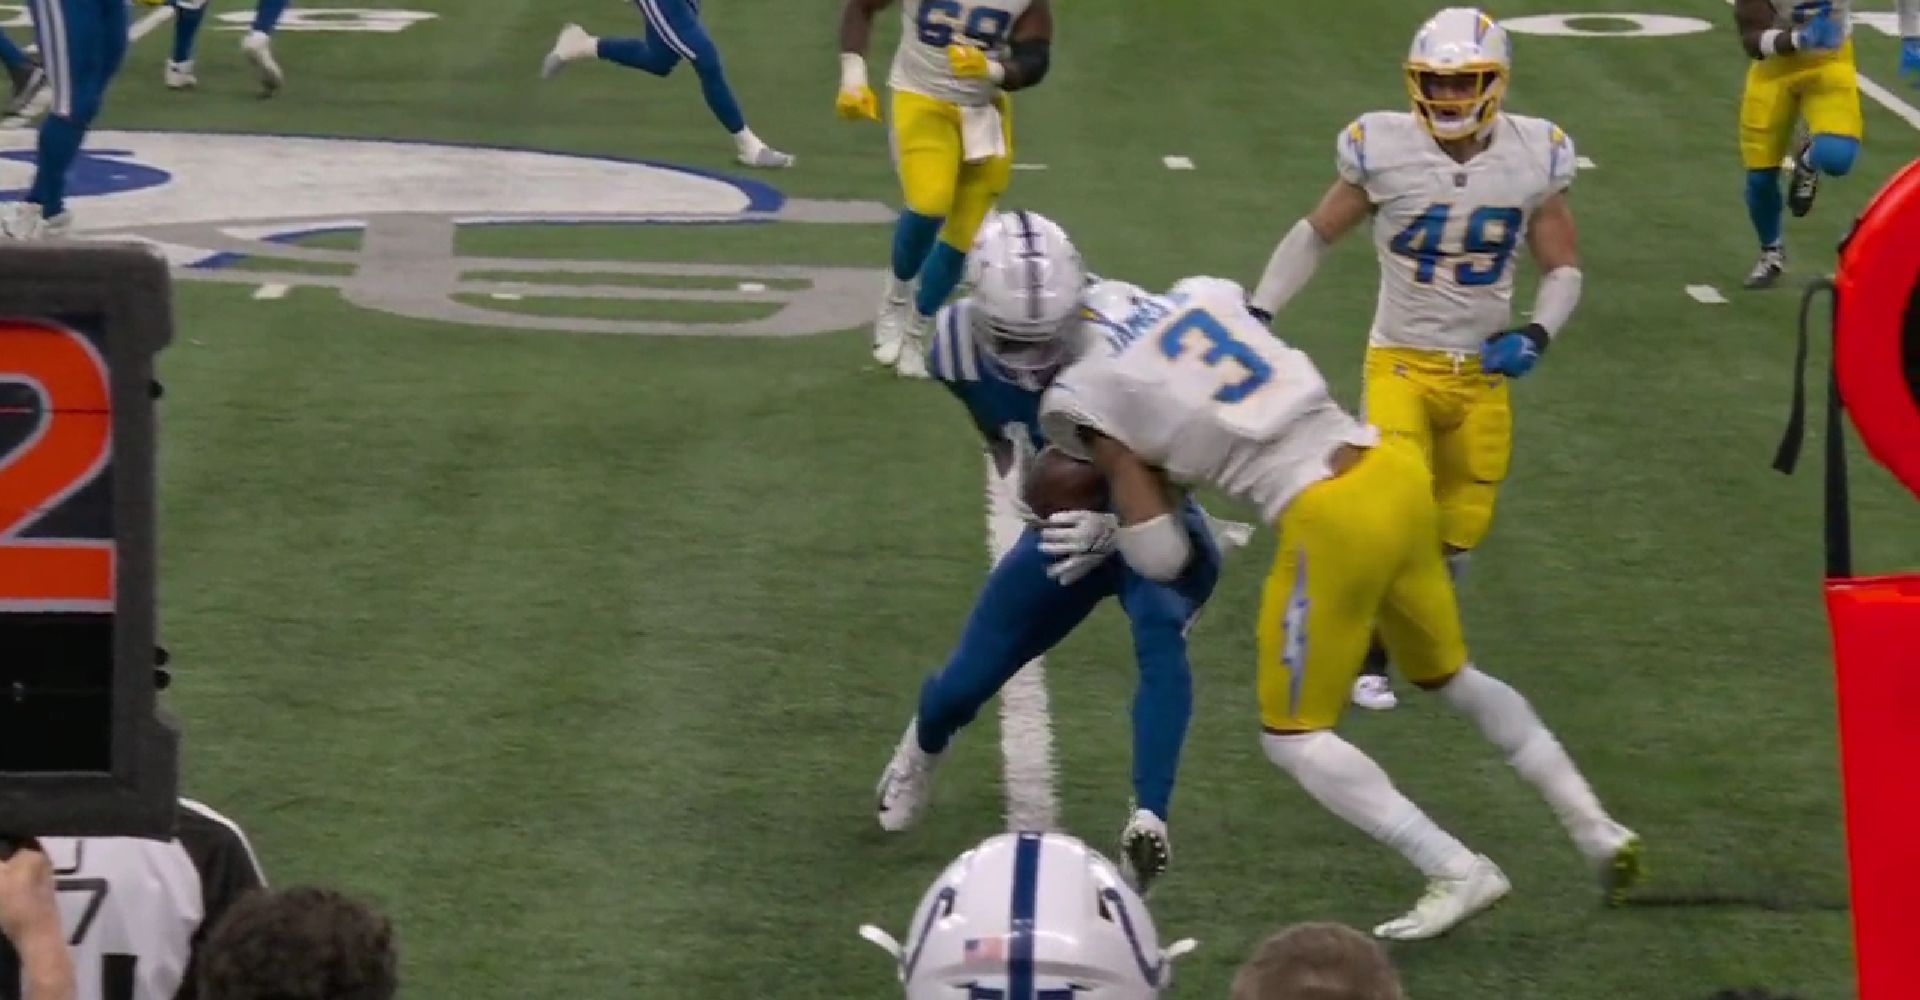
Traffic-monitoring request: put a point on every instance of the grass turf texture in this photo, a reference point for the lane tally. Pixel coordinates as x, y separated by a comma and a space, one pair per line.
582, 653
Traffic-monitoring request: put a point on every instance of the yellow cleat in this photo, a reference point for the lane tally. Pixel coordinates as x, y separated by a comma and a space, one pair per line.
968, 62
857, 105
1624, 870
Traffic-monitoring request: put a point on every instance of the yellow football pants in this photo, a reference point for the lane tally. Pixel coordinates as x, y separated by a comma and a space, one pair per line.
1459, 418
1821, 87
935, 178
1356, 551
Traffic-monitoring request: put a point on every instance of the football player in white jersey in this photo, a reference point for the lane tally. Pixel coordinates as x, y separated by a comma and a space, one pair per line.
1452, 188
135, 910
1189, 388
952, 132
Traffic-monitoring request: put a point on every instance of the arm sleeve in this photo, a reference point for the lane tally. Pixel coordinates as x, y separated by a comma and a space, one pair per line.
1289, 268
1562, 162
1554, 301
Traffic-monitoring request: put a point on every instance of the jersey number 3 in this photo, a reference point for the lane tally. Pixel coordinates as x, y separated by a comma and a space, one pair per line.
1488, 247
1220, 347
939, 19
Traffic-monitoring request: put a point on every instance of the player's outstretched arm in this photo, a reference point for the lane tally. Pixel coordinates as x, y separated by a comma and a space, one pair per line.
1291, 266
856, 100
1151, 537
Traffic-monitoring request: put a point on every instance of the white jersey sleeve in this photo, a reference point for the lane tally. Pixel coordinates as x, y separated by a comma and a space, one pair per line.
1448, 235
927, 27
1194, 385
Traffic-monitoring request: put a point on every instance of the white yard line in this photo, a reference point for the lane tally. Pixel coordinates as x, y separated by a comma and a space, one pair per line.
1706, 295
1177, 162
1026, 722
148, 24
268, 293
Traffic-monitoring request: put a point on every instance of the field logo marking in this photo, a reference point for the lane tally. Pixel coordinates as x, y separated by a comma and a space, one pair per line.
212, 202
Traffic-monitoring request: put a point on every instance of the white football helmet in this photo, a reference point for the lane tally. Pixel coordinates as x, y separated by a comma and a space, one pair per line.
1457, 72
1024, 278
1032, 916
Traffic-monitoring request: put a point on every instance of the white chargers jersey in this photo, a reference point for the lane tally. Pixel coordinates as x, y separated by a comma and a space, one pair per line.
1446, 233
927, 27
1788, 14
134, 909
1193, 384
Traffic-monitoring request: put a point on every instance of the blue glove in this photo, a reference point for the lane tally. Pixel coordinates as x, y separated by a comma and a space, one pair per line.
1910, 60
1821, 33
1513, 353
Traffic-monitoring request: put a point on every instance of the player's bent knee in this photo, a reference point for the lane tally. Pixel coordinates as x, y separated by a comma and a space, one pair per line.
1833, 155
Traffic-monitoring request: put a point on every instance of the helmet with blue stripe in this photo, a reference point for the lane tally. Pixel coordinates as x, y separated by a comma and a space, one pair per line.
1024, 278
1031, 916
1457, 72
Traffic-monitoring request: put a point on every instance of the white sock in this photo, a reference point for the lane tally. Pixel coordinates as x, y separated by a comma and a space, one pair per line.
898, 291
1507, 721
1344, 779
746, 141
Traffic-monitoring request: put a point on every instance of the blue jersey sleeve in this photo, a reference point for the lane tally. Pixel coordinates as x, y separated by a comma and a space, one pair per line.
995, 401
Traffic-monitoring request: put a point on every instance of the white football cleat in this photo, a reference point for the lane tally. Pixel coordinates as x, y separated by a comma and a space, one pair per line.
573, 45
31, 100
179, 76
1448, 903
27, 221
890, 327
913, 347
765, 157
1614, 852
1374, 692
1145, 850
258, 48
906, 786
1768, 269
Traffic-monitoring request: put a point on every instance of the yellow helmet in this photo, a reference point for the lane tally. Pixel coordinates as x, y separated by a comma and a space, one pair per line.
1457, 72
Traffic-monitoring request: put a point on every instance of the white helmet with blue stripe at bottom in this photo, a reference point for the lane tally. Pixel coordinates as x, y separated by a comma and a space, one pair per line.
1023, 278
1031, 916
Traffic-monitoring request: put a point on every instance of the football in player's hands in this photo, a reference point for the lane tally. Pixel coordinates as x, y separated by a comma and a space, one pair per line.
1057, 481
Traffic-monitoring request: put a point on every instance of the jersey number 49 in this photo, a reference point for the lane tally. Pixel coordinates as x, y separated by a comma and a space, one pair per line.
1488, 246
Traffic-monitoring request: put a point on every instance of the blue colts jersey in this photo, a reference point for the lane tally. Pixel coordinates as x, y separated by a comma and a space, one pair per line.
1000, 401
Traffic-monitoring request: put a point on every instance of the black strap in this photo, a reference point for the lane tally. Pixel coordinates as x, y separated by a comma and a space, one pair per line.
1838, 527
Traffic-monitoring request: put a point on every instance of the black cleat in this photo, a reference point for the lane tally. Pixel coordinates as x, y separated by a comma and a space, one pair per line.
1804, 185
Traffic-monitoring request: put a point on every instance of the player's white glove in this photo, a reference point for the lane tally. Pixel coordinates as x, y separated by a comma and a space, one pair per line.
1079, 540
1228, 535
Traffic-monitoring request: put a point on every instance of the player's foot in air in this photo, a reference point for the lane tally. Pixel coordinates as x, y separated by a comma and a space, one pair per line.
1449, 902
1375, 692
573, 45
1768, 269
1804, 184
906, 786
1145, 851
913, 347
258, 48
179, 76
28, 83
890, 327
751, 152
1616, 855
27, 221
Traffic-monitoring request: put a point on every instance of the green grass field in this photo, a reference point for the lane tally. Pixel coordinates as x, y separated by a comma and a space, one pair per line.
581, 653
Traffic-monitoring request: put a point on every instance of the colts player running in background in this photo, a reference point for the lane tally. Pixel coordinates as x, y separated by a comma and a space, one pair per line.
1803, 70
1452, 189
82, 43
996, 350
952, 140
257, 46
674, 33
1189, 389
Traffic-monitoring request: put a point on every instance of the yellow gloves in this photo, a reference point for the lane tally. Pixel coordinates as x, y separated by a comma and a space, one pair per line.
857, 105
969, 63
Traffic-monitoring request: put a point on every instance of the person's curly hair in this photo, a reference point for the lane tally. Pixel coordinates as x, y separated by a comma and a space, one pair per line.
300, 944
1318, 962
